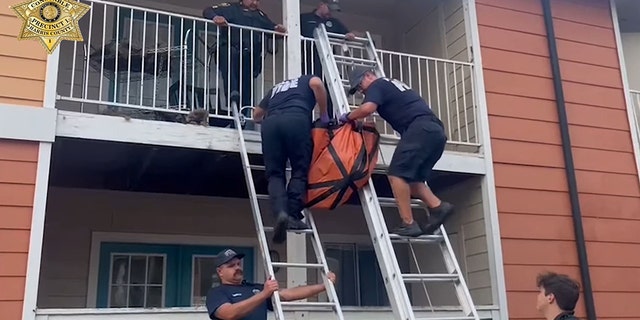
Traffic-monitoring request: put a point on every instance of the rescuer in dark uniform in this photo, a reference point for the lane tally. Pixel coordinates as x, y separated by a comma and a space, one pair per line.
421, 144
235, 56
236, 298
308, 23
286, 135
557, 296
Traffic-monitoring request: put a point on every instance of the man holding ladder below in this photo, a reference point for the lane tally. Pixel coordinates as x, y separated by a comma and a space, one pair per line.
421, 144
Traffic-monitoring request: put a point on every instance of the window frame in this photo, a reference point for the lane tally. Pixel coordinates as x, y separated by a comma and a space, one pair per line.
100, 262
359, 250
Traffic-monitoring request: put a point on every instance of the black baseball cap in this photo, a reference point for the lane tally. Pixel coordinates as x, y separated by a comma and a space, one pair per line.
332, 4
226, 256
355, 77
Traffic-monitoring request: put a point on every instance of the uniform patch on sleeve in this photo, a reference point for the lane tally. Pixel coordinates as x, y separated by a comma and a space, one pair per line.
224, 4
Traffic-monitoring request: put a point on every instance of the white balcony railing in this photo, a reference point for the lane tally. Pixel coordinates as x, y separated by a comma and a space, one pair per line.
446, 85
159, 65
635, 101
152, 64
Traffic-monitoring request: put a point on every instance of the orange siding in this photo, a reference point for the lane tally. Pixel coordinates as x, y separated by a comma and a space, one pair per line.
18, 160
532, 192
23, 63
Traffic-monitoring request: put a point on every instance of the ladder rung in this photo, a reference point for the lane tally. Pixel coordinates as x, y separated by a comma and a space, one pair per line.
350, 44
354, 59
391, 203
429, 277
297, 265
429, 238
377, 170
356, 63
342, 36
308, 304
270, 229
448, 318
262, 197
262, 167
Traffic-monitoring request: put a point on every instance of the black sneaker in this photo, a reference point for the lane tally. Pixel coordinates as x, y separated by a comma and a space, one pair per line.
295, 224
280, 231
438, 216
407, 230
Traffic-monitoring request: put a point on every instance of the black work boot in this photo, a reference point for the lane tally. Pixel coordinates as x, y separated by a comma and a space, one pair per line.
438, 216
280, 230
297, 224
407, 230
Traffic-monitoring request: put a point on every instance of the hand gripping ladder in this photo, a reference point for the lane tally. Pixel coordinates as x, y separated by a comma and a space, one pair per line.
261, 230
394, 279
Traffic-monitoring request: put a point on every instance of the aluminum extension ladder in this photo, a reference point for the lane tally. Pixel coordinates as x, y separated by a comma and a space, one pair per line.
393, 277
261, 230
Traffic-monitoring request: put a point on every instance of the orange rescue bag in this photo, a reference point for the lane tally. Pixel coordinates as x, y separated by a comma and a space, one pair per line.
343, 160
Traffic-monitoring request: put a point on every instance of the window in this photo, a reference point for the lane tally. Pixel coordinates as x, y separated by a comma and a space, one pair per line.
360, 282
159, 276
137, 280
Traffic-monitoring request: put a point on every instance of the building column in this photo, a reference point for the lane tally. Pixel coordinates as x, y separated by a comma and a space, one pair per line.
34, 260
296, 243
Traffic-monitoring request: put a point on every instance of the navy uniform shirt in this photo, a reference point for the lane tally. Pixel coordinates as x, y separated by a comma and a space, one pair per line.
235, 13
293, 95
398, 104
226, 293
310, 21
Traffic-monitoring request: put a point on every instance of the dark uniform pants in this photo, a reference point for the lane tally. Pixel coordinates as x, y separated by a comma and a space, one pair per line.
237, 74
418, 150
287, 136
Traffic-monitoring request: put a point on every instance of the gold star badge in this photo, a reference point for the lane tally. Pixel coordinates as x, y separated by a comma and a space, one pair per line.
51, 21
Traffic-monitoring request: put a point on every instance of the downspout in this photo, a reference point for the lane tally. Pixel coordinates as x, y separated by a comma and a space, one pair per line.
568, 159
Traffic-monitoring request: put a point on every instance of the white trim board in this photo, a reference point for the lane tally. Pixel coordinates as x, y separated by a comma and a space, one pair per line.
113, 128
27, 123
34, 260
633, 124
151, 238
489, 196
201, 313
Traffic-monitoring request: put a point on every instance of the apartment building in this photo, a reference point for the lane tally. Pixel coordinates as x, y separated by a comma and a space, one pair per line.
112, 206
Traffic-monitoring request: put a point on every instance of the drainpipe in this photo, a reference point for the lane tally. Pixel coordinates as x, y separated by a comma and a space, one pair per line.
568, 159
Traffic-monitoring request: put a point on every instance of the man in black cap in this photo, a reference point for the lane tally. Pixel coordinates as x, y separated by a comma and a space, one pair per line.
421, 144
240, 50
235, 298
308, 23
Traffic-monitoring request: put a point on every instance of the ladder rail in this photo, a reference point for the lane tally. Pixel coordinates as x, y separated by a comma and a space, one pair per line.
255, 206
393, 278
320, 257
335, 82
260, 230
462, 290
332, 294
399, 299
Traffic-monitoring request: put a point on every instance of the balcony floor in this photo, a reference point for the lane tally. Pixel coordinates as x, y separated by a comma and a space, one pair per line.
168, 134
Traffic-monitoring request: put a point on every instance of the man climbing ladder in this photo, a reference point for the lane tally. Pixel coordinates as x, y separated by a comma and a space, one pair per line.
294, 97
421, 144
286, 135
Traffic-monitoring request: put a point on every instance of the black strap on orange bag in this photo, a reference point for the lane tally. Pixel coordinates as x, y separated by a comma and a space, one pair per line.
349, 180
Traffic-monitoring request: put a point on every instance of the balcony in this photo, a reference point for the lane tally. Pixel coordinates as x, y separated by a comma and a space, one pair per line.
162, 65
